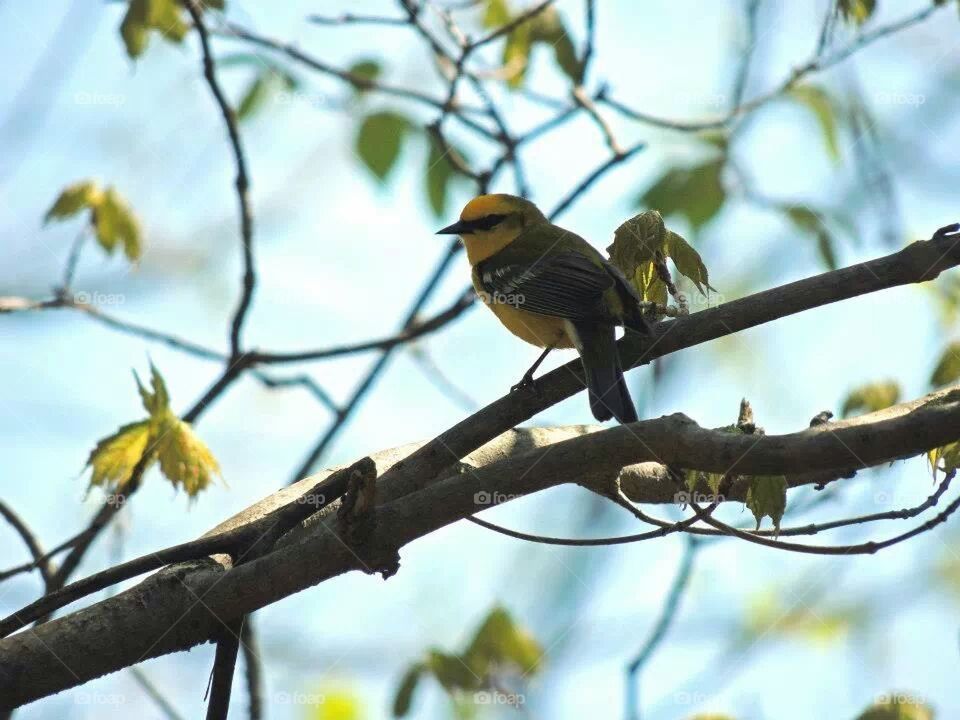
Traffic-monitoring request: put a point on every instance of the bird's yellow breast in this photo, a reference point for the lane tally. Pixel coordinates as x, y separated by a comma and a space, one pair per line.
540, 330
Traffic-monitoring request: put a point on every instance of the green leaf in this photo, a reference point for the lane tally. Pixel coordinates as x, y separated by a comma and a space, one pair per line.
379, 140
404, 695
817, 101
871, 397
499, 642
812, 222
166, 16
856, 12
114, 223
263, 86
897, 706
134, 27
115, 456
547, 27
440, 173
946, 459
516, 55
74, 198
496, 14
688, 261
948, 367
451, 671
368, 70
767, 495
634, 250
695, 192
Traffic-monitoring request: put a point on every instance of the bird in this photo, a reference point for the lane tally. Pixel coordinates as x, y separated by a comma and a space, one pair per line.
551, 288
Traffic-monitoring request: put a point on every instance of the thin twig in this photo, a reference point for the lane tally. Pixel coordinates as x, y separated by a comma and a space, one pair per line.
40, 559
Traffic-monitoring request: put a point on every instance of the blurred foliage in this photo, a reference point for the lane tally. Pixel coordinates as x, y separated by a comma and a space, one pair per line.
814, 223
947, 370
499, 645
642, 241
184, 459
856, 12
819, 102
695, 192
111, 218
871, 397
379, 140
546, 28
775, 614
897, 706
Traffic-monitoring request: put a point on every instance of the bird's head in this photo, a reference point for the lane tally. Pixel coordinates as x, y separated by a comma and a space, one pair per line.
488, 223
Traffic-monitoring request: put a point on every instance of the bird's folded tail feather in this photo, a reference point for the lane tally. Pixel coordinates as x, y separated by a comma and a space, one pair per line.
609, 396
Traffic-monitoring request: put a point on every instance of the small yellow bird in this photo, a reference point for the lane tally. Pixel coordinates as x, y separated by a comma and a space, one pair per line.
552, 289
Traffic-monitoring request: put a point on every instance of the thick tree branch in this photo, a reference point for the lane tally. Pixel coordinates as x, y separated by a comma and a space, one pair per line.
163, 614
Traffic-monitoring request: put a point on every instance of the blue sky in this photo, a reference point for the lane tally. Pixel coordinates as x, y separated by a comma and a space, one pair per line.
340, 258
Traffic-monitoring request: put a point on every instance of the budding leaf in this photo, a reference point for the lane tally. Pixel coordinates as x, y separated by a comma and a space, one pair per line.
948, 367
113, 459
115, 224
871, 397
636, 244
500, 642
163, 16
184, 459
946, 459
74, 198
767, 495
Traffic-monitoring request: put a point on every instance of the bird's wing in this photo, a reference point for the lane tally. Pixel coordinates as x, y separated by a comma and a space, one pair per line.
564, 284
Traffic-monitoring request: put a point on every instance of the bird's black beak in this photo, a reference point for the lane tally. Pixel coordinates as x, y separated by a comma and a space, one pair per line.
458, 228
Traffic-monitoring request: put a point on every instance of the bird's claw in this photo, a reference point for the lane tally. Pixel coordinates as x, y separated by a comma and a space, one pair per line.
526, 383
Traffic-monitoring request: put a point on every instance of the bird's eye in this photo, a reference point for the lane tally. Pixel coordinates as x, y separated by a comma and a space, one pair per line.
487, 222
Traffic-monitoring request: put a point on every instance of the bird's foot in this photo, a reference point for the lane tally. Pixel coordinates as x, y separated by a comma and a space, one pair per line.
526, 383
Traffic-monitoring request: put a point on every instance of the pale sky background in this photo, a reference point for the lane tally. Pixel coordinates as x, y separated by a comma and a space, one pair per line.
340, 259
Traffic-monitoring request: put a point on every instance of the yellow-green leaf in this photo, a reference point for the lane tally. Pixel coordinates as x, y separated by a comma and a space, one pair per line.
767, 496
898, 706
408, 684
948, 367
499, 641
156, 400
817, 101
166, 16
335, 704
134, 27
452, 672
694, 192
184, 459
945, 459
115, 456
856, 11
114, 223
379, 140
688, 261
871, 397
516, 55
496, 14
78, 196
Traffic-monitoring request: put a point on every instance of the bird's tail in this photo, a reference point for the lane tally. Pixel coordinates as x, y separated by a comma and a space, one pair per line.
606, 385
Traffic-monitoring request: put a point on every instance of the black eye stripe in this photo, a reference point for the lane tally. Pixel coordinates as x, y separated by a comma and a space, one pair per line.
486, 222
